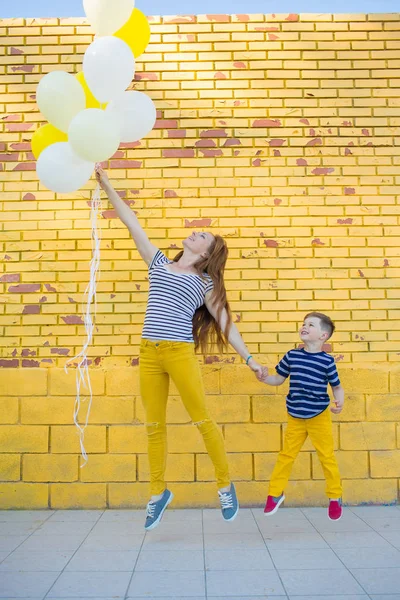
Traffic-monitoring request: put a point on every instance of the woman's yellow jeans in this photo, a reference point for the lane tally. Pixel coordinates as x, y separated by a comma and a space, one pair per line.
319, 429
158, 362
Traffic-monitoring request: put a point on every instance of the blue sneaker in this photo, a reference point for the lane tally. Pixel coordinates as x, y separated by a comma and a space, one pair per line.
229, 504
155, 510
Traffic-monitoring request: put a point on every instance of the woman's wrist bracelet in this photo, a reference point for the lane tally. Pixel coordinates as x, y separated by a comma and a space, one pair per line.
248, 358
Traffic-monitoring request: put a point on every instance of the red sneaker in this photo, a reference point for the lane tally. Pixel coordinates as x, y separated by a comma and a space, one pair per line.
272, 504
335, 509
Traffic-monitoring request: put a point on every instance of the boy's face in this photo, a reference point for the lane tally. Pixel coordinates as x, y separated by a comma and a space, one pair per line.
311, 331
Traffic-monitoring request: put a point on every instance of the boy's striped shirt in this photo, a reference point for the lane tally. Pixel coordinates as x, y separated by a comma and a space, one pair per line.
309, 375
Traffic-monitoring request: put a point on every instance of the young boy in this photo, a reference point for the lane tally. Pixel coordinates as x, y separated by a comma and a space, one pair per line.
310, 369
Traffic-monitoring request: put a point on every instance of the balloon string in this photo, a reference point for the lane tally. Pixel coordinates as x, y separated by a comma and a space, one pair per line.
82, 370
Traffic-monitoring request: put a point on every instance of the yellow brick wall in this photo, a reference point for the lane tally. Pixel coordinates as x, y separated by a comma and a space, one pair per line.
282, 133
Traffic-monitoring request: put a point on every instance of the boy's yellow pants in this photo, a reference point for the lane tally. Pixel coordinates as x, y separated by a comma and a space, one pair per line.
319, 429
158, 362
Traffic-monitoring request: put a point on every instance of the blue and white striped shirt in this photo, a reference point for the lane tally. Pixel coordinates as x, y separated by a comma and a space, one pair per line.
309, 375
173, 300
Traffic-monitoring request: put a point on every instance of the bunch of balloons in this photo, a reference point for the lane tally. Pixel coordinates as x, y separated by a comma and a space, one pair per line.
90, 114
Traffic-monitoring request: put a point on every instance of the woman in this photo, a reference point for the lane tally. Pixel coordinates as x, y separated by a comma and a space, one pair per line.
187, 307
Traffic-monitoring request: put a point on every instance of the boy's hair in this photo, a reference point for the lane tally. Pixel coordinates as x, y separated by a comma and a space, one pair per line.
326, 322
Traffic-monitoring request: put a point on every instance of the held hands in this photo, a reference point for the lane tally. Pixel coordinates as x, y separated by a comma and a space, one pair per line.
263, 376
254, 366
260, 372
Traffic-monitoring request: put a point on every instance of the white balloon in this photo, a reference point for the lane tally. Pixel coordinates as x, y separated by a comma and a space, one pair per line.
60, 170
109, 67
136, 114
107, 16
94, 135
60, 97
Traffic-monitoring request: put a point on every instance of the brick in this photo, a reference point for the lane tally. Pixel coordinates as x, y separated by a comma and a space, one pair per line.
385, 464
120, 380
229, 409
22, 383
10, 467
127, 440
8, 410
383, 407
240, 381
394, 380
352, 465
252, 438
367, 436
48, 468
180, 467
370, 491
240, 467
269, 409
23, 496
251, 493
62, 383
112, 410
354, 408
65, 439
109, 467
305, 493
369, 380
47, 410
264, 465
78, 495
23, 438
128, 495
198, 494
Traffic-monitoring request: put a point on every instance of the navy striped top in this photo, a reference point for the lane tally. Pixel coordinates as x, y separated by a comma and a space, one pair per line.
173, 300
309, 375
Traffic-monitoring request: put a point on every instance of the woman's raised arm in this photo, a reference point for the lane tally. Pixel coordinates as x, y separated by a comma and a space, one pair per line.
146, 249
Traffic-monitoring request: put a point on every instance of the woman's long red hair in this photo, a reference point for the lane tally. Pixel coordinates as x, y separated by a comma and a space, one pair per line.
206, 330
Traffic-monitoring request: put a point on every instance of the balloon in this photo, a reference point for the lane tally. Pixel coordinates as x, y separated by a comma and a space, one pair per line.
60, 97
106, 16
44, 137
136, 114
135, 32
94, 135
91, 101
109, 67
60, 170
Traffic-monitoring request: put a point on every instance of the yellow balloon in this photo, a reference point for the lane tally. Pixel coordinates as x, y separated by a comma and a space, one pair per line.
91, 101
44, 137
135, 32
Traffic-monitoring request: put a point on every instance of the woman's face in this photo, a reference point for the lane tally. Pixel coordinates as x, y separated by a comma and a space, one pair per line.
199, 242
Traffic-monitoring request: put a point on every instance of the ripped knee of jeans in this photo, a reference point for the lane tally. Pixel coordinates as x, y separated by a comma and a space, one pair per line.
201, 424
154, 427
